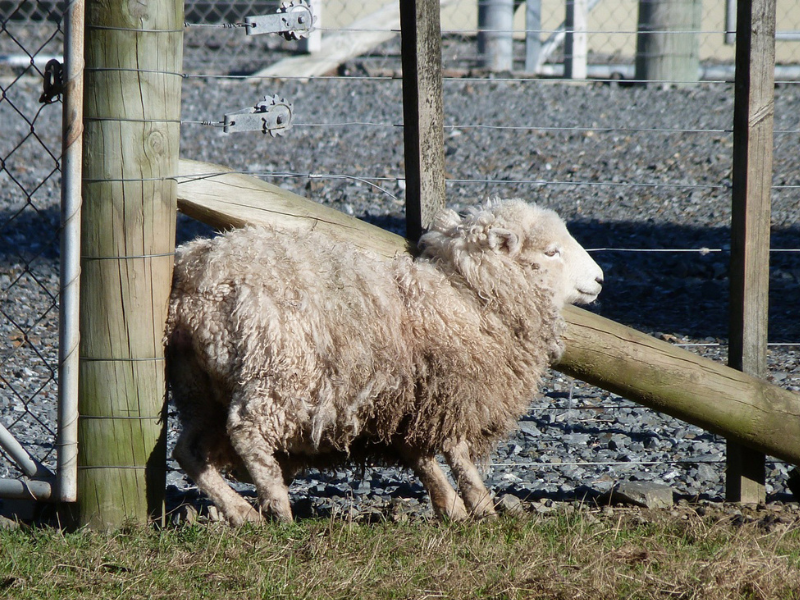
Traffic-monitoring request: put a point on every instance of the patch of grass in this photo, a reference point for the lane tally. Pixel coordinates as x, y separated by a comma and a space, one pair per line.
584, 554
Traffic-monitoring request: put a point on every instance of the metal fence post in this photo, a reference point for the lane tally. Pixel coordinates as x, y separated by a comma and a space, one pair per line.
533, 34
69, 324
495, 42
576, 40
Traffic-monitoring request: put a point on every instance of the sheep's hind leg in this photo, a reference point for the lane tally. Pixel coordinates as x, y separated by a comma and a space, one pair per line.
266, 471
477, 498
444, 499
192, 452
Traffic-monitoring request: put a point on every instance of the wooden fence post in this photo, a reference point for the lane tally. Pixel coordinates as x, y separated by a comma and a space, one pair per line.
132, 127
667, 46
423, 112
750, 222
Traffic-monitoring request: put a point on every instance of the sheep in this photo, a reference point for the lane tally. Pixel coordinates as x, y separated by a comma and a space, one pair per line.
288, 350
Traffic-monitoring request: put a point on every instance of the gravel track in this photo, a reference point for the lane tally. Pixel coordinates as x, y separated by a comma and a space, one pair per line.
631, 168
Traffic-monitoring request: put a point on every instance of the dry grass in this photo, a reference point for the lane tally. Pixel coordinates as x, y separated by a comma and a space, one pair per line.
627, 554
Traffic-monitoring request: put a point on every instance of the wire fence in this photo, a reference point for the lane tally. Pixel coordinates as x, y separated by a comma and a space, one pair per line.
30, 148
611, 33
601, 176
602, 173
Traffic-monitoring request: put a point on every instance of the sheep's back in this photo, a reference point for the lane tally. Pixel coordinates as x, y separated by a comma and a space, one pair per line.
298, 323
343, 344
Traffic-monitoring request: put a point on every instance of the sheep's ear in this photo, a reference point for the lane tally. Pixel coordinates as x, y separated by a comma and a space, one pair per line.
503, 240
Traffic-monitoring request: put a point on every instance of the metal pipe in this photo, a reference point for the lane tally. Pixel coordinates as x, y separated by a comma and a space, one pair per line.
495, 28
787, 36
71, 171
533, 27
17, 489
730, 22
575, 39
29, 465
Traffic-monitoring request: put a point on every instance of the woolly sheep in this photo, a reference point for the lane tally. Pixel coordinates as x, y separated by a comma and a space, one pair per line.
288, 350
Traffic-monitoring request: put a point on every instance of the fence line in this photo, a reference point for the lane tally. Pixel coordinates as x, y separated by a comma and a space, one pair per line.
34, 64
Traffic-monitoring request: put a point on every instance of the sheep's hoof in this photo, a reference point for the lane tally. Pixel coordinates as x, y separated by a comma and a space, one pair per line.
487, 515
279, 510
456, 513
242, 515
484, 510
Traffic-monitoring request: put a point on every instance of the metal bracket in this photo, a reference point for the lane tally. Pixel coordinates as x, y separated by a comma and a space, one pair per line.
294, 20
271, 115
53, 83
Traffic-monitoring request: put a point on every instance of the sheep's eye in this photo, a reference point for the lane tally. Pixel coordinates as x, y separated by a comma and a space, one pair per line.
551, 252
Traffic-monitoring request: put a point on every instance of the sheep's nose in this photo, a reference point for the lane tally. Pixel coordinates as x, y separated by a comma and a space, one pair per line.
599, 279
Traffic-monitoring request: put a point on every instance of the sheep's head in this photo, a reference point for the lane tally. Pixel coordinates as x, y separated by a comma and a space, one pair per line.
533, 237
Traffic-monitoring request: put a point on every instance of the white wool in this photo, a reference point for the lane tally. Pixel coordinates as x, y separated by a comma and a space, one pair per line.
287, 349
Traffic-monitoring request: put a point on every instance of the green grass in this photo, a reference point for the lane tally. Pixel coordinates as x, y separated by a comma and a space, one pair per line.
628, 554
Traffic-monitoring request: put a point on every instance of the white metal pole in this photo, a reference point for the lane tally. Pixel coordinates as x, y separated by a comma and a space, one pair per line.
533, 34
557, 38
313, 43
30, 467
71, 171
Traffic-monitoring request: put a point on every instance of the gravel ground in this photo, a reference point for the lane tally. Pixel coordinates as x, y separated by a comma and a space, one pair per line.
630, 168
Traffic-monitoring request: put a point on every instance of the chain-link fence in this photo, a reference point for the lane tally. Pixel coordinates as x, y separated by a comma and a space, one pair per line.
32, 33
30, 148
611, 34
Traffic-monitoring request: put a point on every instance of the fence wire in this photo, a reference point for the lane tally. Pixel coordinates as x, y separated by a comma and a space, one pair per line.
572, 413
30, 147
596, 168
611, 31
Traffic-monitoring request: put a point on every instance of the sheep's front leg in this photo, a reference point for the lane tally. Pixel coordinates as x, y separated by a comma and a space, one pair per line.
193, 451
259, 459
477, 498
444, 499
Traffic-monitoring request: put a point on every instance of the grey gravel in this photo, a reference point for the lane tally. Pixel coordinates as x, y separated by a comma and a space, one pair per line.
672, 191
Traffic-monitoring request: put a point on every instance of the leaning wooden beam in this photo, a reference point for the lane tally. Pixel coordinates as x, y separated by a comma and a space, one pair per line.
669, 379
604, 353
223, 199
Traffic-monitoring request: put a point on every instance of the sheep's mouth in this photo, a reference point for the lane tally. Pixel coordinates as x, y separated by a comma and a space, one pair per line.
587, 297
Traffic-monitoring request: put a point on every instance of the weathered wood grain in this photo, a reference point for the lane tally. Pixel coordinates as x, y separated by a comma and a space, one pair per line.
130, 156
750, 221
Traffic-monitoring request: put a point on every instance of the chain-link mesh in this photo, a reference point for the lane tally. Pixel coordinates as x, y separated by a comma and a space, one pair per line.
30, 146
611, 34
